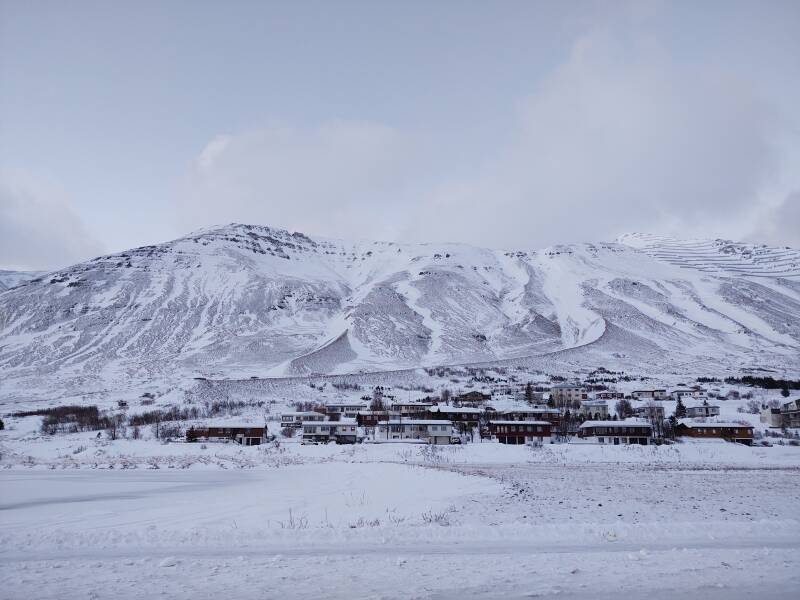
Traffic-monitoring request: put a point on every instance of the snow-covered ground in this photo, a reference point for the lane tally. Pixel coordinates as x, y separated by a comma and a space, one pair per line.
401, 521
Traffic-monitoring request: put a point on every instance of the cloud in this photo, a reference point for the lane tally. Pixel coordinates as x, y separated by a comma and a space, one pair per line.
348, 179
781, 225
39, 230
621, 136
620, 139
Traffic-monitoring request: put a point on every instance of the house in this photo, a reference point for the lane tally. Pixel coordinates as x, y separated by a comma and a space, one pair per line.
341, 432
564, 393
245, 434
608, 395
594, 409
535, 413
519, 432
295, 419
790, 413
418, 409
534, 396
472, 398
771, 416
627, 431
649, 394
430, 431
651, 412
682, 393
732, 432
349, 410
702, 410
463, 415
370, 418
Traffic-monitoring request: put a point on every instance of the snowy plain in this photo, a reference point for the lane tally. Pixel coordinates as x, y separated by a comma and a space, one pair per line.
483, 520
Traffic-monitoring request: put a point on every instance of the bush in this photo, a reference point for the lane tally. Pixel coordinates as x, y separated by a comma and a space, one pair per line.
624, 409
171, 431
68, 419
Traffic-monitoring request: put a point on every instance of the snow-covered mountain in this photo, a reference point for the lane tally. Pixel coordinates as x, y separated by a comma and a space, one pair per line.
243, 300
10, 279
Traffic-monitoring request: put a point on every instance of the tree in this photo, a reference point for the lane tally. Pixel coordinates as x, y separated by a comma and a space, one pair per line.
529, 393
377, 404
445, 396
680, 409
671, 426
116, 427
785, 392
377, 399
2, 425
563, 426
624, 408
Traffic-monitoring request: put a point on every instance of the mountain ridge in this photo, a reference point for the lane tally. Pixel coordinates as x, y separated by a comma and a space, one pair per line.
247, 300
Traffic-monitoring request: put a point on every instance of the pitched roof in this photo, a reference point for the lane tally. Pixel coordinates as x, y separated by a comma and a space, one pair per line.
519, 422
624, 423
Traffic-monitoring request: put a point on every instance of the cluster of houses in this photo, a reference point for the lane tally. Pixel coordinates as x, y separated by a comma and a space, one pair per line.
421, 421
788, 415
434, 422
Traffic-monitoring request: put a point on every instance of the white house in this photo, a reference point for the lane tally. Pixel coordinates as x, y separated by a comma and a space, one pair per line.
649, 394
771, 416
702, 410
594, 409
650, 412
567, 392
341, 432
425, 430
345, 409
296, 419
411, 408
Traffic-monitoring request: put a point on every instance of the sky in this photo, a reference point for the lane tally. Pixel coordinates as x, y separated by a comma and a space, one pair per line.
513, 125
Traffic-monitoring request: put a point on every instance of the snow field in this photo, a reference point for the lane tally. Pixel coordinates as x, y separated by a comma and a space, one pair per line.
374, 530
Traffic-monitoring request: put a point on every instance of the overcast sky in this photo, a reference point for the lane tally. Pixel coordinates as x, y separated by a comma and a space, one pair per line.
501, 124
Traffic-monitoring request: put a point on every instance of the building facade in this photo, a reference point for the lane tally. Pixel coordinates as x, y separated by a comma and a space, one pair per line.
341, 432
594, 409
241, 433
429, 431
519, 432
732, 432
649, 394
628, 431
790, 413
702, 410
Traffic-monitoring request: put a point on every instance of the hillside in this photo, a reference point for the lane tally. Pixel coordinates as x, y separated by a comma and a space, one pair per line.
242, 300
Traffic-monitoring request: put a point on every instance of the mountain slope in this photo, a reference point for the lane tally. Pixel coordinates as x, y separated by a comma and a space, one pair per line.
10, 279
244, 300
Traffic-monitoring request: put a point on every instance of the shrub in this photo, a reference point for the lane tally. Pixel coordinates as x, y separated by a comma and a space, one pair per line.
68, 419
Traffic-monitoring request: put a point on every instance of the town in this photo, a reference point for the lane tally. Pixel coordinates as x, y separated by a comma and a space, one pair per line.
559, 413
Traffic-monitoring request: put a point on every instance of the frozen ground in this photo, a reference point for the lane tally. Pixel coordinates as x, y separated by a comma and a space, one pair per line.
389, 521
